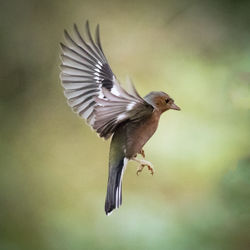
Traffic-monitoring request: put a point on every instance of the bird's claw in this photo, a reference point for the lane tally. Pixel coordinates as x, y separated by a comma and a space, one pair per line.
151, 168
142, 165
139, 169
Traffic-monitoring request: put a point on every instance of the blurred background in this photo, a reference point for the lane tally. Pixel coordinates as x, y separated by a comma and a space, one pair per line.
53, 168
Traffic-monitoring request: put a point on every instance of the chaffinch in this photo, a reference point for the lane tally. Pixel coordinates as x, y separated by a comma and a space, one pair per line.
94, 93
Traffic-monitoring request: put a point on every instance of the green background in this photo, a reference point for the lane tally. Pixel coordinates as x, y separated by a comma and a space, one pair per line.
54, 168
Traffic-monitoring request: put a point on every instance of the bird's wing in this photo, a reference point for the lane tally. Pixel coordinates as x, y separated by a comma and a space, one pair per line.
114, 110
91, 88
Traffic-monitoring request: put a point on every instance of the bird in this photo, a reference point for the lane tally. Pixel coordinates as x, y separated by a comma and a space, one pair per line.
93, 92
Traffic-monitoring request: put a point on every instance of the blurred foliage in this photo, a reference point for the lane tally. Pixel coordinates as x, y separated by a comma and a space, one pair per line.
54, 168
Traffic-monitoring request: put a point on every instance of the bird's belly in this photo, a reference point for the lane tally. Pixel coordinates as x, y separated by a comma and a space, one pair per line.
140, 136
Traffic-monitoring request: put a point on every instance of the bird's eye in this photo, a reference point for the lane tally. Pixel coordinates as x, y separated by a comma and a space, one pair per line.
167, 100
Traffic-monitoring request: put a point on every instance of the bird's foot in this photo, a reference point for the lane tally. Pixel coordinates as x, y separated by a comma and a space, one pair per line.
144, 163
139, 169
142, 153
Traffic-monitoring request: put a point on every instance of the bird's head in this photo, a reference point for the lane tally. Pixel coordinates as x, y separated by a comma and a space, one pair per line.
161, 101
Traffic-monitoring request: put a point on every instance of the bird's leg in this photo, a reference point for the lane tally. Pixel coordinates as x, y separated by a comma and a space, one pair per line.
142, 153
143, 163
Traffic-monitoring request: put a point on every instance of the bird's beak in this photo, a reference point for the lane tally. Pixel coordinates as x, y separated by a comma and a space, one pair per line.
174, 106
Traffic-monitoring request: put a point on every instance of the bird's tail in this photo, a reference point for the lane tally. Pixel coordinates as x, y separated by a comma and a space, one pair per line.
114, 189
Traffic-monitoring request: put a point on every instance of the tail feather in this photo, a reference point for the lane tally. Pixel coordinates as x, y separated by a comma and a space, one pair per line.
114, 189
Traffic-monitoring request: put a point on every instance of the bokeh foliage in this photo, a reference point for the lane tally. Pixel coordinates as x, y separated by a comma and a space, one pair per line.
54, 168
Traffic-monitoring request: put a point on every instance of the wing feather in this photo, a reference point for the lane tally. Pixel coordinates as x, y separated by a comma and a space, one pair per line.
90, 86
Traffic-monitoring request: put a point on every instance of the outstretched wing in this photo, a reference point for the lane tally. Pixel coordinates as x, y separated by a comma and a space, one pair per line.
90, 86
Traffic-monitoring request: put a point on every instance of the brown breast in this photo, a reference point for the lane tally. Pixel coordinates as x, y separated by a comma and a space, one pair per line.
139, 133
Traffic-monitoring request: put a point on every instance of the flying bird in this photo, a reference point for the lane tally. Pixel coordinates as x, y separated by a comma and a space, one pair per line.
95, 94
